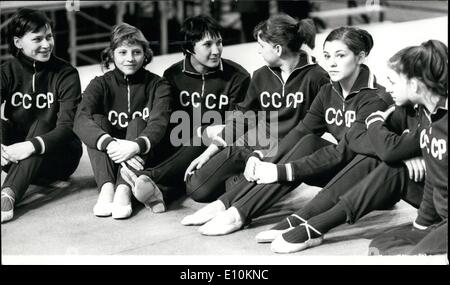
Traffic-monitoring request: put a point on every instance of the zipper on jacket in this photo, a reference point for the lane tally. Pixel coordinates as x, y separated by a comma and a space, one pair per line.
281, 80
128, 93
203, 85
34, 76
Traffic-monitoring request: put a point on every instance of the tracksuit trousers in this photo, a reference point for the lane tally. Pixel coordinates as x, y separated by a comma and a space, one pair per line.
252, 200
105, 170
407, 240
169, 174
364, 185
209, 182
382, 187
38, 168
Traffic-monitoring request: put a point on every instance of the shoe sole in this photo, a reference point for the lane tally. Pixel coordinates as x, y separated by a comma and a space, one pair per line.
123, 214
102, 211
150, 197
294, 247
7, 216
142, 191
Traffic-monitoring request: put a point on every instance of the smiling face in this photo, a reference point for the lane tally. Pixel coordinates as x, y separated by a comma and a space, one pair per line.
399, 87
340, 61
37, 46
207, 53
269, 52
129, 58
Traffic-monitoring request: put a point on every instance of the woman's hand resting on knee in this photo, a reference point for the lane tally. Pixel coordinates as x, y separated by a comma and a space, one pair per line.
17, 152
265, 173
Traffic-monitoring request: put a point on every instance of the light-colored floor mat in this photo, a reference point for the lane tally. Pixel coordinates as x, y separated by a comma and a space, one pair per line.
58, 222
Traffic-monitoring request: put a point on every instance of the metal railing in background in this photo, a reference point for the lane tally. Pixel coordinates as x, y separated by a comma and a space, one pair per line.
79, 45
73, 9
75, 49
84, 46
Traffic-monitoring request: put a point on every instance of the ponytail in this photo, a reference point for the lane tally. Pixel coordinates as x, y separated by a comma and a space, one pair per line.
427, 63
307, 30
284, 30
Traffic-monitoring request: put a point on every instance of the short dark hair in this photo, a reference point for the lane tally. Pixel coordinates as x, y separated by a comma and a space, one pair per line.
427, 63
196, 28
357, 40
129, 34
23, 21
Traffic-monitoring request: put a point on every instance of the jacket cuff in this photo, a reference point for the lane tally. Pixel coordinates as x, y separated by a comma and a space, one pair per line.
419, 226
421, 222
285, 172
372, 119
201, 130
256, 154
39, 145
103, 142
281, 172
219, 142
144, 144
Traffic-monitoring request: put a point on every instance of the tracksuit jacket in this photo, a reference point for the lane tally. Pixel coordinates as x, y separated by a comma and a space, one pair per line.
431, 137
48, 91
397, 138
342, 118
289, 100
217, 90
120, 99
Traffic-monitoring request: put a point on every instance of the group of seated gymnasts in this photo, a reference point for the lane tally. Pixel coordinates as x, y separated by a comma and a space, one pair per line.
208, 129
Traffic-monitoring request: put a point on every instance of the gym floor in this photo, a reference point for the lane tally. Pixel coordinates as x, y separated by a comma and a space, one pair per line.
56, 225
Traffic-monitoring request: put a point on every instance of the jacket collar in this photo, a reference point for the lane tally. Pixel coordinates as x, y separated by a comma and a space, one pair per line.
122, 78
33, 65
188, 68
440, 110
365, 80
442, 104
305, 59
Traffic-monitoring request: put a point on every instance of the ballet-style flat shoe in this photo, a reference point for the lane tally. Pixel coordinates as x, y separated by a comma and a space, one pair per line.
279, 245
7, 215
270, 235
103, 209
223, 223
147, 192
203, 215
194, 220
121, 211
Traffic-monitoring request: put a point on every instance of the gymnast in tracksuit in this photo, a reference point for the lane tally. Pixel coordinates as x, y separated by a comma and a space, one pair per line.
420, 77
367, 183
206, 86
396, 173
41, 93
340, 109
283, 91
123, 116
